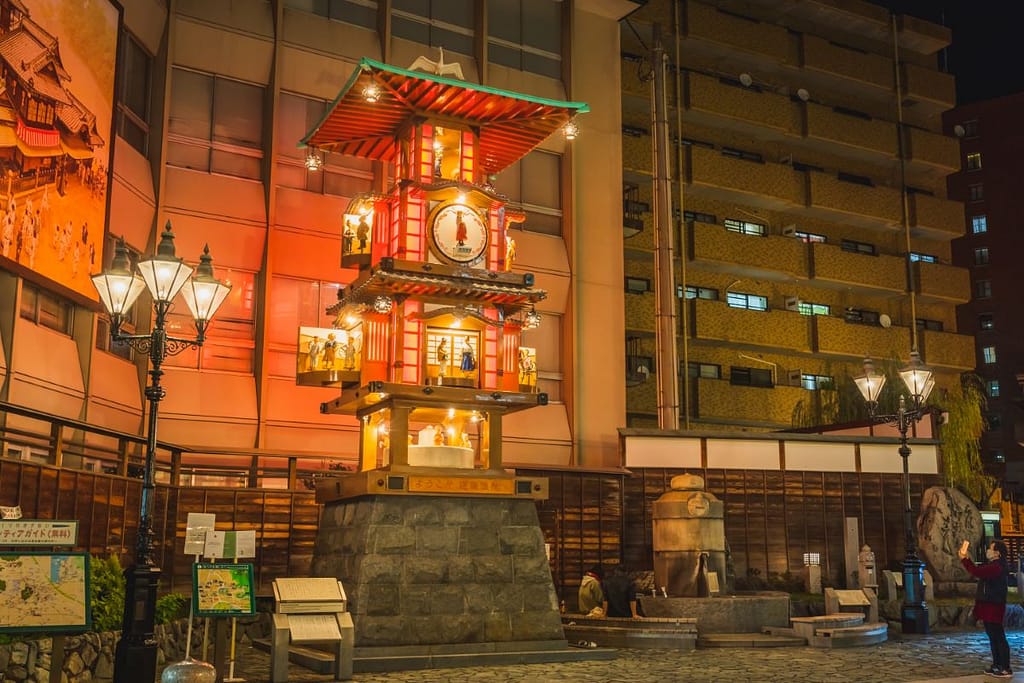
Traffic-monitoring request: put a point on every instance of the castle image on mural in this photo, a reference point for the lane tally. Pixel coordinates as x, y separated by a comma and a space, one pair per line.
46, 131
52, 183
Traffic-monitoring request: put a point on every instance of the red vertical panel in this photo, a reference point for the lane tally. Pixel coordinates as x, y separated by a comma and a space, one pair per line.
496, 239
467, 161
412, 338
510, 356
425, 152
491, 361
414, 228
375, 346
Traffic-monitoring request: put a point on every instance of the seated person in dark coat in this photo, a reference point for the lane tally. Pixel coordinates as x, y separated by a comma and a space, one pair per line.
620, 592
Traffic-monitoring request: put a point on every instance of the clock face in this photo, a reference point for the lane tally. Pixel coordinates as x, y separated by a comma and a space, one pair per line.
459, 233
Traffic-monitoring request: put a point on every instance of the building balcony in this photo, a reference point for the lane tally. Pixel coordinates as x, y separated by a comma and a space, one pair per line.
942, 282
935, 218
714, 174
867, 139
860, 71
637, 152
931, 153
779, 329
712, 102
771, 407
862, 205
862, 271
710, 32
772, 257
837, 337
922, 36
640, 312
947, 349
927, 89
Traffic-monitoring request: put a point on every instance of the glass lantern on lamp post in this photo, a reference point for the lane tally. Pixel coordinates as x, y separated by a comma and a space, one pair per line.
919, 383
164, 275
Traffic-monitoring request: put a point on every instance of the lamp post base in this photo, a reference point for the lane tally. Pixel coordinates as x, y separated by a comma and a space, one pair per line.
133, 660
914, 619
914, 614
135, 657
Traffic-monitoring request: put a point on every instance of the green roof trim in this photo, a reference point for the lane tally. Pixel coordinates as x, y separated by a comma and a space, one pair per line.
367, 63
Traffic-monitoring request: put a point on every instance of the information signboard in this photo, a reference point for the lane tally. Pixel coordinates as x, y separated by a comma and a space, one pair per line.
44, 592
221, 589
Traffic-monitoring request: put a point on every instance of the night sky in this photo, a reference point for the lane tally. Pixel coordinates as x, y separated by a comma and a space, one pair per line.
987, 55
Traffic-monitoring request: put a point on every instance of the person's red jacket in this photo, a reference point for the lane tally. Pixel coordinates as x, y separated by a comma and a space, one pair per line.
986, 611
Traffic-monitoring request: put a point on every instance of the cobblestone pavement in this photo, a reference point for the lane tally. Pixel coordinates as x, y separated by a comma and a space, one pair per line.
946, 655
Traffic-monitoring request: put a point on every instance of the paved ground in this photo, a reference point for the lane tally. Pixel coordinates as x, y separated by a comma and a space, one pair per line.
943, 656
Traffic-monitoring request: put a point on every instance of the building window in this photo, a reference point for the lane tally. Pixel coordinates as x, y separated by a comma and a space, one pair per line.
988, 354
231, 338
855, 247
134, 95
976, 192
927, 258
693, 292
986, 322
981, 256
340, 175
523, 34
817, 382
979, 224
216, 124
861, 316
810, 308
742, 154
46, 309
974, 161
809, 236
992, 388
745, 227
753, 302
855, 179
751, 377
535, 183
704, 370
637, 285
437, 23
970, 128
700, 217
995, 421
356, 12
997, 455
983, 289
932, 325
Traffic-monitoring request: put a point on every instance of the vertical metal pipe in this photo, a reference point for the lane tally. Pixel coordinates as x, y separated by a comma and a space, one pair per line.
665, 291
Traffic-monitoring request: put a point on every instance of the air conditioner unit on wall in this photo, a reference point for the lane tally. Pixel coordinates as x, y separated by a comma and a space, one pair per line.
792, 303
789, 230
794, 378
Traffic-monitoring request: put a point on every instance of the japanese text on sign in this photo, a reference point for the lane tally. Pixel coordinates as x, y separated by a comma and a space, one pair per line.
38, 532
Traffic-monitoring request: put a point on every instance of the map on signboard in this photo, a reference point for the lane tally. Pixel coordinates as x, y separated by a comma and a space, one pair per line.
221, 589
44, 591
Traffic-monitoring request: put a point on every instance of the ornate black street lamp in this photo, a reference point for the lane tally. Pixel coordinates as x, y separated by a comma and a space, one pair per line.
919, 382
164, 275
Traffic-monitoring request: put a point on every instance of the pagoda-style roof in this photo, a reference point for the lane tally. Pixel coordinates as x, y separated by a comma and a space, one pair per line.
510, 124
442, 284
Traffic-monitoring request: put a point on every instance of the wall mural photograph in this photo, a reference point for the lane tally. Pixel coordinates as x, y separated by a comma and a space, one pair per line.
57, 66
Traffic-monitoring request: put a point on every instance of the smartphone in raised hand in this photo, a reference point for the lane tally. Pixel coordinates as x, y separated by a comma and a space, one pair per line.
964, 547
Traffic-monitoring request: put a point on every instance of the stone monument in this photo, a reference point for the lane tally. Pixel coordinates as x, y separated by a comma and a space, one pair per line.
947, 518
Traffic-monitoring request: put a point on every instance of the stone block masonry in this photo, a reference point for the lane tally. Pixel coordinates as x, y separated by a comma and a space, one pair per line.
432, 570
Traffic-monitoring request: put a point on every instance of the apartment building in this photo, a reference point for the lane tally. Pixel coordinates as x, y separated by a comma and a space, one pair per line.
212, 101
988, 182
812, 224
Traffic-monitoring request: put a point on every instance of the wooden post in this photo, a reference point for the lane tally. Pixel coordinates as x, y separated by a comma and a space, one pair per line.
176, 467
122, 453
254, 472
293, 472
57, 443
